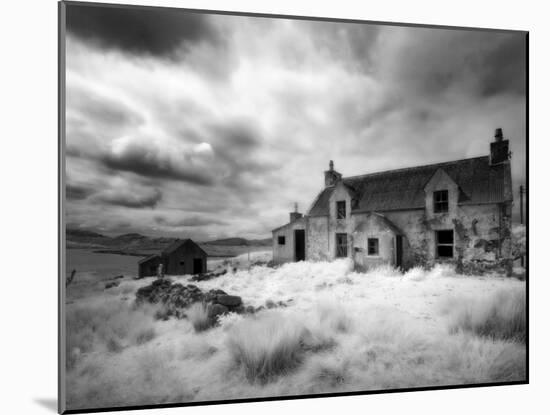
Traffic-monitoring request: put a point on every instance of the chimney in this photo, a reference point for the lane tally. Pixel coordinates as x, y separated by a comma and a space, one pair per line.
331, 175
295, 215
499, 149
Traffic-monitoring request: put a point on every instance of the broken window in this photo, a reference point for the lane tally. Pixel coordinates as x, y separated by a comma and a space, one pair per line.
372, 246
341, 245
281, 240
444, 244
441, 201
341, 209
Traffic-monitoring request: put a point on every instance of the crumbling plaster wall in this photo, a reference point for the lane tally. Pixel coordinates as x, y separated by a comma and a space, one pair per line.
285, 253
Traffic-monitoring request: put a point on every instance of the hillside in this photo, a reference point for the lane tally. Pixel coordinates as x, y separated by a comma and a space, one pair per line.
138, 244
241, 242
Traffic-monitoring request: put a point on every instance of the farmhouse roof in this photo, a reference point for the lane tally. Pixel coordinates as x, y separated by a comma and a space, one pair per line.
403, 189
180, 242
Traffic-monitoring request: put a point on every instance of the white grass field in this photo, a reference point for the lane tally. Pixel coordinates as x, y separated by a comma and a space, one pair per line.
340, 331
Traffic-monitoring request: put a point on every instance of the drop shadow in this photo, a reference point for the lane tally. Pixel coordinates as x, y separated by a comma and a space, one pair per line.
48, 403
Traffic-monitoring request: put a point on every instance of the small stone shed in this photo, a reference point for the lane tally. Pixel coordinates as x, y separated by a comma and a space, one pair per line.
457, 212
182, 257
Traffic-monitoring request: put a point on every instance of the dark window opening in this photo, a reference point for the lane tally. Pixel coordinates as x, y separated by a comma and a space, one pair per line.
341, 209
441, 201
372, 245
444, 244
341, 245
281, 240
182, 263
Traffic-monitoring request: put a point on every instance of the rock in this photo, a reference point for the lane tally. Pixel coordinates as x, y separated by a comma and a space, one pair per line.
118, 277
239, 309
250, 310
111, 284
229, 300
208, 276
215, 310
270, 304
211, 295
176, 298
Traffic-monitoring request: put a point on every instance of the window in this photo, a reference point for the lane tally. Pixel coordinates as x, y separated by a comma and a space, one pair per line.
341, 245
441, 201
444, 244
341, 209
281, 240
372, 246
182, 263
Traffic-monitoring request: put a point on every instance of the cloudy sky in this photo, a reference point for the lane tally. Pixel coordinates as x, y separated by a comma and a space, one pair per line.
208, 126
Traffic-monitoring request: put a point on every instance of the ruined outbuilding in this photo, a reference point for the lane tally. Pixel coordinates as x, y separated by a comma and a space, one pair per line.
180, 258
457, 212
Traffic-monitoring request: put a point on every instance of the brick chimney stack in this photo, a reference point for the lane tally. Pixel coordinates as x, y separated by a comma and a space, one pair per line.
295, 215
331, 175
500, 152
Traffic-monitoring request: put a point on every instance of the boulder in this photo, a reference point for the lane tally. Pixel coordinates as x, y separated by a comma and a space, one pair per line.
175, 299
111, 284
211, 295
229, 300
215, 310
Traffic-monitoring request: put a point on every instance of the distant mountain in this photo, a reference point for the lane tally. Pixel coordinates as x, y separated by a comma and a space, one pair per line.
137, 243
83, 233
240, 242
130, 238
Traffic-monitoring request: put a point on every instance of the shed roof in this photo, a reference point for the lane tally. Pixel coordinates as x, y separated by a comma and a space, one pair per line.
180, 242
403, 189
294, 222
148, 258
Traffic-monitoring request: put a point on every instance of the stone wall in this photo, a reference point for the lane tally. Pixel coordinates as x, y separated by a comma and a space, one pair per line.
482, 237
317, 242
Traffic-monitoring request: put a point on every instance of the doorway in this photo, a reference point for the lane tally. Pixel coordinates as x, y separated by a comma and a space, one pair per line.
299, 245
197, 265
398, 251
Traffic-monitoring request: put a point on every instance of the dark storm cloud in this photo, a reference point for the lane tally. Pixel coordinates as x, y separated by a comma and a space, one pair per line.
236, 142
150, 162
238, 145
432, 62
131, 199
154, 31
77, 192
191, 221
505, 69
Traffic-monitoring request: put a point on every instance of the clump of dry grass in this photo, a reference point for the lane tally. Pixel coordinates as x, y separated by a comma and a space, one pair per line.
145, 336
198, 316
266, 347
501, 316
108, 326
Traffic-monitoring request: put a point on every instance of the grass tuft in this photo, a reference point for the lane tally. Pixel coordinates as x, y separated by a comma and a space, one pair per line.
198, 316
501, 316
266, 347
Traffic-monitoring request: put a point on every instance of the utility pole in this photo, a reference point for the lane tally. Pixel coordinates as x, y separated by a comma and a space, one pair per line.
521, 193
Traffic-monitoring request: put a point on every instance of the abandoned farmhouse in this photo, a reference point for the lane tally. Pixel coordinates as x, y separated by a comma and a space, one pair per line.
458, 211
182, 257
